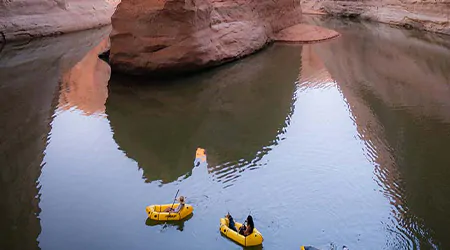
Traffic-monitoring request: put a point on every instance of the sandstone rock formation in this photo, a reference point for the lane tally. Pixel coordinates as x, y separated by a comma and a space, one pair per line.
25, 19
305, 33
175, 36
430, 15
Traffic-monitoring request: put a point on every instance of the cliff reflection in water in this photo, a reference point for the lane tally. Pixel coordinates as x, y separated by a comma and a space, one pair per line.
85, 85
235, 112
30, 75
397, 86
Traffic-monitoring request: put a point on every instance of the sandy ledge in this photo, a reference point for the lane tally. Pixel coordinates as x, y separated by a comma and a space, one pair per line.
305, 33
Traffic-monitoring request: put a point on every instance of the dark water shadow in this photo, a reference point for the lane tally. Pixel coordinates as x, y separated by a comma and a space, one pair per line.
237, 112
179, 225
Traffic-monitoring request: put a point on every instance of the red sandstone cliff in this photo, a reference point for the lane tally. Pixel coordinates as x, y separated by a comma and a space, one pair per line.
25, 19
430, 15
175, 36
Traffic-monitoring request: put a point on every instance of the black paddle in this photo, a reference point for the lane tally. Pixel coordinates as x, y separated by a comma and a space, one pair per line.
173, 201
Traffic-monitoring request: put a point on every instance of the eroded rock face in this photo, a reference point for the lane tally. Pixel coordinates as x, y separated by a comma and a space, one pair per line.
25, 19
305, 33
430, 15
175, 36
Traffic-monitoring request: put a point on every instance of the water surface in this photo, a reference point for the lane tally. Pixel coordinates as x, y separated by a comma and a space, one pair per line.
338, 143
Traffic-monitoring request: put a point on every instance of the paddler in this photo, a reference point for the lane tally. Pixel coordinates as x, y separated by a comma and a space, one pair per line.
178, 209
246, 228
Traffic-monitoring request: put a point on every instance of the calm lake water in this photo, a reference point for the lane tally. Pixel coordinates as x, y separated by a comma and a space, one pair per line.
339, 143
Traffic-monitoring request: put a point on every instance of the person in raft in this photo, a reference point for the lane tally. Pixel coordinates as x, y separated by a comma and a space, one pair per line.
178, 209
245, 230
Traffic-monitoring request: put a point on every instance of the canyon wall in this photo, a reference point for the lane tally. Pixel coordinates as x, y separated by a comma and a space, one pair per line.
432, 15
25, 19
176, 36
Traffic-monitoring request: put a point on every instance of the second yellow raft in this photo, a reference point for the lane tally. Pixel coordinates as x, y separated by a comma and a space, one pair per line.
156, 212
253, 239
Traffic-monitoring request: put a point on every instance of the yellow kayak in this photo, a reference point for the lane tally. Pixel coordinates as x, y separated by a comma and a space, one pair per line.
253, 239
156, 212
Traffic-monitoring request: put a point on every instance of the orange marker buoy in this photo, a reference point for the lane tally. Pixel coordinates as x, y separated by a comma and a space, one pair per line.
200, 154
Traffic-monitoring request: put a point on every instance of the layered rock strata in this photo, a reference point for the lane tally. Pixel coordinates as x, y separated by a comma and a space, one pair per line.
176, 36
25, 19
432, 15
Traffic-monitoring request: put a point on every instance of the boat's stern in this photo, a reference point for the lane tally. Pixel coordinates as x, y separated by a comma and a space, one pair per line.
254, 239
223, 224
186, 211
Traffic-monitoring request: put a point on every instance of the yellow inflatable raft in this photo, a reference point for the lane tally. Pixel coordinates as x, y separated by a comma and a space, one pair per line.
253, 239
156, 212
